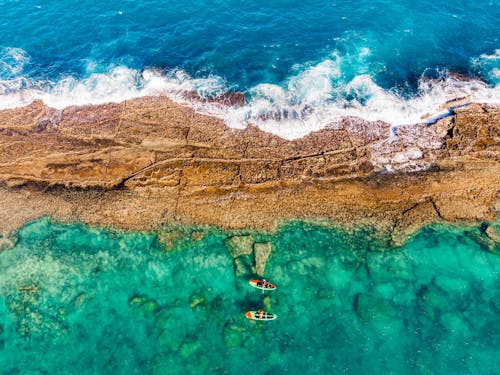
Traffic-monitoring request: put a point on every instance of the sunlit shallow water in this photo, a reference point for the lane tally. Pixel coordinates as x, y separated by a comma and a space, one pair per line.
81, 300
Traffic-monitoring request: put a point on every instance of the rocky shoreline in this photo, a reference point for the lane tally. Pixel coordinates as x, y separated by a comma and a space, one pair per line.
147, 162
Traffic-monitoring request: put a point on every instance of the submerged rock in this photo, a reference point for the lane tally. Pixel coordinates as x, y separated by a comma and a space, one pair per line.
244, 266
29, 288
454, 324
492, 233
389, 266
197, 300
78, 301
262, 252
137, 301
451, 285
372, 307
144, 304
6, 243
149, 307
266, 303
190, 348
239, 245
169, 239
405, 298
433, 301
197, 235
233, 335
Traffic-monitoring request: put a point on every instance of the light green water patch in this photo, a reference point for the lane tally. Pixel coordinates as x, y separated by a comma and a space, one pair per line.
87, 301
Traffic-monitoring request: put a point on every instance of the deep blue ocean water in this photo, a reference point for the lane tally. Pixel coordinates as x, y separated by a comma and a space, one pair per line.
301, 63
78, 300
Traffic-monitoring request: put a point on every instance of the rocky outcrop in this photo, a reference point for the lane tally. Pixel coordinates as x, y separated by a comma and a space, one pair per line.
149, 161
233, 99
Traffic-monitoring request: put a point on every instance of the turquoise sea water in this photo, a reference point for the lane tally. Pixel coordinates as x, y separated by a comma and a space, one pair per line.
81, 300
301, 63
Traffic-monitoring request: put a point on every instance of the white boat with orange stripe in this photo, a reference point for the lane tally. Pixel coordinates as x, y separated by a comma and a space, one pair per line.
260, 315
262, 284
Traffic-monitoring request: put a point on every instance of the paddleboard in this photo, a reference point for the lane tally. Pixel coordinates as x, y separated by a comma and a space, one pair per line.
258, 284
252, 315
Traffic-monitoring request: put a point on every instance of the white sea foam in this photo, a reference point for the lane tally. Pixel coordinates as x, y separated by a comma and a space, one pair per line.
311, 102
313, 98
489, 65
12, 61
118, 84
494, 56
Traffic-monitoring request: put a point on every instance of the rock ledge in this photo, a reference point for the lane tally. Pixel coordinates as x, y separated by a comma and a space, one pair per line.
141, 163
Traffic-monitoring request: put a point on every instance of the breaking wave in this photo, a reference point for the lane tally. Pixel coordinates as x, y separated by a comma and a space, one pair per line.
315, 96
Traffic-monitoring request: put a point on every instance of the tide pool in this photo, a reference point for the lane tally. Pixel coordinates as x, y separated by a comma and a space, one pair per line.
86, 300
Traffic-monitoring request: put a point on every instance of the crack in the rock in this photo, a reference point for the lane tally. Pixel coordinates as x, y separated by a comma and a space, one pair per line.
397, 221
107, 165
436, 208
280, 171
187, 134
322, 153
238, 173
247, 144
411, 208
118, 128
179, 191
301, 157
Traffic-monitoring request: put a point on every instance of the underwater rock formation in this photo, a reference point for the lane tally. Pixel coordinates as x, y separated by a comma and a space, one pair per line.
68, 285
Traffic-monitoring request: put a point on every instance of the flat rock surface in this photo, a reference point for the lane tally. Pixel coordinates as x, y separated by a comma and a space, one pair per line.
141, 163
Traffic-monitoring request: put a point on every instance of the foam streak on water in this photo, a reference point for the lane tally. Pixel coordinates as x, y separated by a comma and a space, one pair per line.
80, 300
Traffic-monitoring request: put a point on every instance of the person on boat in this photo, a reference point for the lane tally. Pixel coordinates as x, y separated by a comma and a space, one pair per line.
263, 283
260, 314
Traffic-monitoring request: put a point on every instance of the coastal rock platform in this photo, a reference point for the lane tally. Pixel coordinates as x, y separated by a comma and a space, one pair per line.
142, 163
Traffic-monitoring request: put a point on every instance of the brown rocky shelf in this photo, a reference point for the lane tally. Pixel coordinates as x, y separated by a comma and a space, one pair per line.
141, 163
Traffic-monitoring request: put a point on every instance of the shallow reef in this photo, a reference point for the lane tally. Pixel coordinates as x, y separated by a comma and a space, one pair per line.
84, 300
